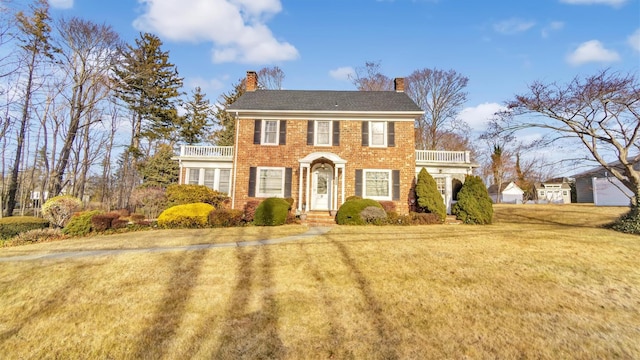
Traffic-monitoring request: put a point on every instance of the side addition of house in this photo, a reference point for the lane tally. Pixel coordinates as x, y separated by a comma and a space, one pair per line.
320, 147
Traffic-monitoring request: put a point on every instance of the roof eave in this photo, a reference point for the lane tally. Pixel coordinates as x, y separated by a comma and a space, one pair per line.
324, 114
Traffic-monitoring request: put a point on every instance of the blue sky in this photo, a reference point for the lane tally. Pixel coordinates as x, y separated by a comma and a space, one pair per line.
501, 46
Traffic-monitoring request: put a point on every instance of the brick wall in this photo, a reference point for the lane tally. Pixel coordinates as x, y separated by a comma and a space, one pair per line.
401, 157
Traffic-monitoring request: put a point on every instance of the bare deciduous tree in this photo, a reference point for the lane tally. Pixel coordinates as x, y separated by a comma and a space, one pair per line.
441, 95
270, 78
601, 112
369, 78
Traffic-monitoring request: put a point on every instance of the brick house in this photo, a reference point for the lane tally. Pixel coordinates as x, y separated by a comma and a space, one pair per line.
320, 147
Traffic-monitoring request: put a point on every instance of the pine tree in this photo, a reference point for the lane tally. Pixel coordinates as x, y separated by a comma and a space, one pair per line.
149, 84
195, 124
225, 133
160, 170
428, 196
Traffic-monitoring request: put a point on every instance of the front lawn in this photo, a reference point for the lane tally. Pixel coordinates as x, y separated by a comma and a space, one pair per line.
541, 282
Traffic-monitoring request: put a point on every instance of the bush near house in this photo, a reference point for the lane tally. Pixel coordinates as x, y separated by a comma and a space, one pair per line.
474, 205
80, 223
12, 226
428, 197
271, 212
226, 218
186, 216
350, 212
374, 215
250, 210
59, 209
191, 194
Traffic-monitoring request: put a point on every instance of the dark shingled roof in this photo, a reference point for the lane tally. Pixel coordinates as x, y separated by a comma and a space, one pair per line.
323, 100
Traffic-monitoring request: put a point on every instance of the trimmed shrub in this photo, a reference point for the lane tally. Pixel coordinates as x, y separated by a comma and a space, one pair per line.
474, 205
35, 236
137, 217
102, 222
80, 223
271, 212
250, 210
388, 206
629, 222
373, 215
186, 216
59, 209
150, 200
225, 218
122, 223
428, 196
12, 226
425, 219
353, 197
349, 212
191, 194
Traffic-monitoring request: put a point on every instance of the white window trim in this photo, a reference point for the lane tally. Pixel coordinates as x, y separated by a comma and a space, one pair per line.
385, 134
258, 180
201, 175
263, 133
364, 184
316, 133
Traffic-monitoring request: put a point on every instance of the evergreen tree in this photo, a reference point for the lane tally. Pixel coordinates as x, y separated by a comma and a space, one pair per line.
195, 124
160, 170
428, 196
474, 205
225, 133
149, 84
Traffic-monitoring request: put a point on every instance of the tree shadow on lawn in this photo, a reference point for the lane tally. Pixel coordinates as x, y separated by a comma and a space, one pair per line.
518, 217
154, 339
252, 334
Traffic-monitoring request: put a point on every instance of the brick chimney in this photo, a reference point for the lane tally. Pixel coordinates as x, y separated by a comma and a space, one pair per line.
252, 81
398, 84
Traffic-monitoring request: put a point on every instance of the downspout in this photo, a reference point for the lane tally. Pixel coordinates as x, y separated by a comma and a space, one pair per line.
235, 163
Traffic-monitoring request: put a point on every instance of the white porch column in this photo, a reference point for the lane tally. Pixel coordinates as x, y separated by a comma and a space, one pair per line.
300, 188
308, 204
343, 181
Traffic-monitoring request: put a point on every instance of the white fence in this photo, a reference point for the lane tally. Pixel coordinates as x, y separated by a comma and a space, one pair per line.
220, 152
435, 156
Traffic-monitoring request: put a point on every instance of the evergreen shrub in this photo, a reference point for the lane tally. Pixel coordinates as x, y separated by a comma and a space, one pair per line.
226, 218
80, 223
629, 222
271, 212
349, 212
59, 209
474, 205
14, 225
186, 216
373, 215
428, 196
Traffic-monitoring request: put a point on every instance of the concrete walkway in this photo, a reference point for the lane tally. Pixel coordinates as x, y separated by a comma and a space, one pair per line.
313, 231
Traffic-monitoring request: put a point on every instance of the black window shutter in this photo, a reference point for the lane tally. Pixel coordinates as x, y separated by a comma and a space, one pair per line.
310, 126
396, 184
256, 132
391, 134
252, 181
288, 172
365, 133
359, 182
283, 132
336, 133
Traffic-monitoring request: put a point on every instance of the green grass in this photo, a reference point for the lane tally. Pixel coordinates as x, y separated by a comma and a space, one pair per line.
542, 282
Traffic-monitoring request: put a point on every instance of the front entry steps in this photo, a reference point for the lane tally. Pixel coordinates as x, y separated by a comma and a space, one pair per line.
319, 218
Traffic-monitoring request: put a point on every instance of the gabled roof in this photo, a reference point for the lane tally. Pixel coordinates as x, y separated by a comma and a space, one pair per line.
325, 101
635, 160
493, 189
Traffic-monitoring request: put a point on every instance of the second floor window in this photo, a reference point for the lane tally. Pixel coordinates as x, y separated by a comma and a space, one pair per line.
378, 133
270, 132
323, 133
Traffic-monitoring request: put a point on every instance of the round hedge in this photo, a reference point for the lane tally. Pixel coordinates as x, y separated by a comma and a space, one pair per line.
474, 205
349, 212
186, 216
271, 212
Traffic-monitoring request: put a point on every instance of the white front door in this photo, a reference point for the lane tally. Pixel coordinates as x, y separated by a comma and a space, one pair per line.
321, 189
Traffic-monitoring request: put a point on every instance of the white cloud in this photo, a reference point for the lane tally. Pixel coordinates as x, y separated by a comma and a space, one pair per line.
61, 4
634, 40
206, 85
342, 73
552, 26
614, 3
592, 51
235, 27
513, 26
478, 116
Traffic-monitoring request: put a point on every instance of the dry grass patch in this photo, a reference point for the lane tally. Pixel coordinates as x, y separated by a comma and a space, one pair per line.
544, 289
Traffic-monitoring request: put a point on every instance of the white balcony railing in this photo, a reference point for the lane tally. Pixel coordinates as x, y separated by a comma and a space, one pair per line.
215, 152
435, 156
